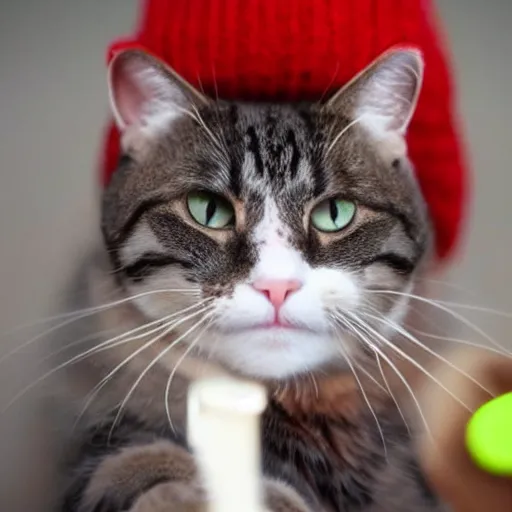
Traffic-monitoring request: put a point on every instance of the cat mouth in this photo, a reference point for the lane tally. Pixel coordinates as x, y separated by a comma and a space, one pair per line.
275, 326
279, 324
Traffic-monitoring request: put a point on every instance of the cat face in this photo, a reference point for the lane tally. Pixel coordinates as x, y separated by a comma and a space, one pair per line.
280, 223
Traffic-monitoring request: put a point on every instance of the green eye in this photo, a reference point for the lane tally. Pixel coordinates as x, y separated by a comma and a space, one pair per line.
210, 210
333, 215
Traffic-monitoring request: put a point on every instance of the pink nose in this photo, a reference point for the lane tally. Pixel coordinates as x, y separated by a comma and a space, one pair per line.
277, 290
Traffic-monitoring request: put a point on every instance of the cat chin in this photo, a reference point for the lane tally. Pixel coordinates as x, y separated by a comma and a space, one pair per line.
276, 353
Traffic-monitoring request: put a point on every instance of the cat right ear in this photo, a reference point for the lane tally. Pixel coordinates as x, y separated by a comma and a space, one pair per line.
146, 96
383, 97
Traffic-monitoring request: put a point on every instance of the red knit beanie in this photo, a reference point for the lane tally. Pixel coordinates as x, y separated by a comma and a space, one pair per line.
304, 49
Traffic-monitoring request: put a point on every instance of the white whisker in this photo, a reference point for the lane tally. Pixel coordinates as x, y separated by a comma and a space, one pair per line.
446, 285
345, 323
79, 341
413, 339
164, 330
365, 397
408, 358
381, 370
315, 385
348, 325
158, 358
392, 365
106, 345
440, 306
297, 394
196, 116
342, 132
369, 344
461, 341
75, 316
214, 139
175, 369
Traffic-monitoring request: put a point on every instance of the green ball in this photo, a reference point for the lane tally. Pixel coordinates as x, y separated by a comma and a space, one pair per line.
489, 436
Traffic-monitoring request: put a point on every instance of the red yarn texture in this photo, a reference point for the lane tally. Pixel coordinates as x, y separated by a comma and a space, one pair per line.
303, 49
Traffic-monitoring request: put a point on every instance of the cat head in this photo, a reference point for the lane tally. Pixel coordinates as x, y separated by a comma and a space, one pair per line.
265, 234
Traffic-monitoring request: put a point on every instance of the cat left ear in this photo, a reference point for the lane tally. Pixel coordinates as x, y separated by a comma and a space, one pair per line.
383, 97
147, 95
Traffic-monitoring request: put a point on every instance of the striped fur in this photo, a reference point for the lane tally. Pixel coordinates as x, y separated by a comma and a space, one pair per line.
273, 163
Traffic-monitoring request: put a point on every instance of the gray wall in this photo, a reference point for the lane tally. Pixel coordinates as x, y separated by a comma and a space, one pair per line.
481, 42
53, 103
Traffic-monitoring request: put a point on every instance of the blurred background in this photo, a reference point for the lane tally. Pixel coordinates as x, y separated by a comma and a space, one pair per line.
53, 105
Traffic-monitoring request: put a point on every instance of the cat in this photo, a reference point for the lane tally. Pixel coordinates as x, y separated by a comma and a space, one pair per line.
274, 242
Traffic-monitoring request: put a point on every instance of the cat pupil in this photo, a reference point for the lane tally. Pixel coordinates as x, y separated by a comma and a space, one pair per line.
333, 210
210, 210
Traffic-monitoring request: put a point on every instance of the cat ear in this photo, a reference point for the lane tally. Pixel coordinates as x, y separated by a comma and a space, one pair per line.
383, 97
147, 95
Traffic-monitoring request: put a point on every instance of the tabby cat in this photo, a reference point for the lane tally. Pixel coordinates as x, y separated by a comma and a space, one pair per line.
275, 242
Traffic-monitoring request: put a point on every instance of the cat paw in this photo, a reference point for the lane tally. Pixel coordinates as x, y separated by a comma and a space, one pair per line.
191, 497
280, 497
173, 497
